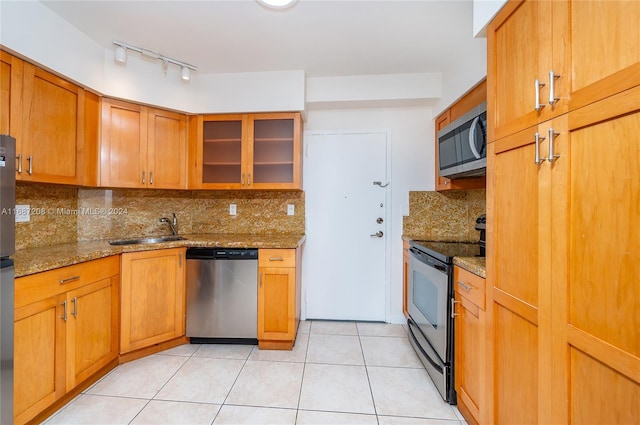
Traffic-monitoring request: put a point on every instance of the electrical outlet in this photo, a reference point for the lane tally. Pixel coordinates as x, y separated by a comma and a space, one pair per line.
232, 209
23, 213
291, 209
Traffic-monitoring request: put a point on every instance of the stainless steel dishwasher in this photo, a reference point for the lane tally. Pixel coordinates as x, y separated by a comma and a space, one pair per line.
222, 295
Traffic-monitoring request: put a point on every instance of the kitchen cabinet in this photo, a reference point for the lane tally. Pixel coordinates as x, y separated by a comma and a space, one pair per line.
468, 101
54, 143
470, 343
11, 70
561, 240
142, 147
278, 298
66, 323
152, 297
568, 54
250, 151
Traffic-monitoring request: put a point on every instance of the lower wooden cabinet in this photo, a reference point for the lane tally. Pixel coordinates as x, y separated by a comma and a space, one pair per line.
66, 329
278, 298
152, 298
469, 344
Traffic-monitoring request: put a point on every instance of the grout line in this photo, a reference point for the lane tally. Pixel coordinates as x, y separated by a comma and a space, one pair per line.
366, 371
304, 368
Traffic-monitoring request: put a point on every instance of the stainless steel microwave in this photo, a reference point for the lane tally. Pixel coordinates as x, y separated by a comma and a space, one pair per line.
462, 145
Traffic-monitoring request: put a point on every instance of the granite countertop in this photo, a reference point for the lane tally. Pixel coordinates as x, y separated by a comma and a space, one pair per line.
35, 260
475, 265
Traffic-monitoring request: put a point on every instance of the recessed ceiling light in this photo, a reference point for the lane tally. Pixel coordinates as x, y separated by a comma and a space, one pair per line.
277, 4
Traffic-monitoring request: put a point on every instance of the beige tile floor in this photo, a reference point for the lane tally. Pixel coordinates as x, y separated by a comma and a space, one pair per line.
337, 373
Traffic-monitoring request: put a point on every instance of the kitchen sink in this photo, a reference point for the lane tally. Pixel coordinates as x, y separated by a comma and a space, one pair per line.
146, 240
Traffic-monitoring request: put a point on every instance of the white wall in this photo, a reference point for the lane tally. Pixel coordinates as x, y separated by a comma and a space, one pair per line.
412, 166
483, 13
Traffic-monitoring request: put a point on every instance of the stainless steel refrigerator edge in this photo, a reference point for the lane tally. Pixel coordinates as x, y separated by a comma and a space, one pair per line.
7, 249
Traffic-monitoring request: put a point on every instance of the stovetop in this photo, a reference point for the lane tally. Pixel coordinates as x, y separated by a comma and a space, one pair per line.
445, 251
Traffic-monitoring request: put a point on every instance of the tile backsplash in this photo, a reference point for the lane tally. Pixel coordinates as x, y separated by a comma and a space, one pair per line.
444, 216
70, 214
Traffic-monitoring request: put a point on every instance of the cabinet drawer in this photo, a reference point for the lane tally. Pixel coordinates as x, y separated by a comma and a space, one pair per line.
469, 286
277, 258
39, 286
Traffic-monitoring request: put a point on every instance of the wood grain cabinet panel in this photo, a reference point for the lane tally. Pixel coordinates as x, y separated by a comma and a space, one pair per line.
278, 298
11, 70
152, 298
251, 151
142, 147
66, 330
470, 345
562, 238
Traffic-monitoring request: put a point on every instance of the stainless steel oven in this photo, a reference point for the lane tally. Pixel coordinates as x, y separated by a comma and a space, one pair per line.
430, 295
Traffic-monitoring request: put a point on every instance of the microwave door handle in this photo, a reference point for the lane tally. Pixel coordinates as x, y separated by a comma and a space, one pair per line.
472, 137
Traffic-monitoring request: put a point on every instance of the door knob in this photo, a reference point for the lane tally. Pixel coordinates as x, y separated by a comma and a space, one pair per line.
379, 220
378, 234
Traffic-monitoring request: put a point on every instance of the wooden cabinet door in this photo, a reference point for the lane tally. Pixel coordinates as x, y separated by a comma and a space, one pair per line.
274, 153
92, 329
123, 149
520, 44
604, 48
276, 306
53, 137
39, 356
152, 297
518, 294
595, 252
11, 69
469, 357
167, 149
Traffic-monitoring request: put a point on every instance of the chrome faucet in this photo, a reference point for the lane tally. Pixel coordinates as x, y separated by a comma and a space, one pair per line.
173, 224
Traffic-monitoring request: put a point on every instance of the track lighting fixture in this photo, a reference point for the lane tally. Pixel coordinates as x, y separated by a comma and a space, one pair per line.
121, 57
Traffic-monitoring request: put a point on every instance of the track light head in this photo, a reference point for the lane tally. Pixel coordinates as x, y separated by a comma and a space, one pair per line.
186, 73
121, 55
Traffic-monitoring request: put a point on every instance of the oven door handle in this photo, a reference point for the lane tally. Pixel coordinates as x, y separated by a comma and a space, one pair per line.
435, 365
423, 258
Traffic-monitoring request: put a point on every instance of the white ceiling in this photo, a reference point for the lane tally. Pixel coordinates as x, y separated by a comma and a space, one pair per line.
321, 37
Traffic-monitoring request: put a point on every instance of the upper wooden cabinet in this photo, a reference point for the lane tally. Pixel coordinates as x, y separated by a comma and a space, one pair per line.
471, 99
11, 69
546, 58
254, 151
142, 147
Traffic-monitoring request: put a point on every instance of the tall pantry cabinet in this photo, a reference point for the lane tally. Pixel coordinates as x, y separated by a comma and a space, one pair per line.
563, 189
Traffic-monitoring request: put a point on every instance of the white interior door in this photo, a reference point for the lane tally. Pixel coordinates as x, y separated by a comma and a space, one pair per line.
344, 266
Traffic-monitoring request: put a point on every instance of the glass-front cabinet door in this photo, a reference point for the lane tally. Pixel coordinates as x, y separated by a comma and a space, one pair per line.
274, 151
222, 151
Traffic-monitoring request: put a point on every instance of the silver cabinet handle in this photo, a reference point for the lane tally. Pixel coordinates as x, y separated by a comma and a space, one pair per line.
538, 160
75, 307
552, 96
64, 311
249, 180
19, 158
69, 279
150, 177
30, 165
453, 308
539, 85
465, 286
242, 182
143, 177
377, 234
552, 156
276, 259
